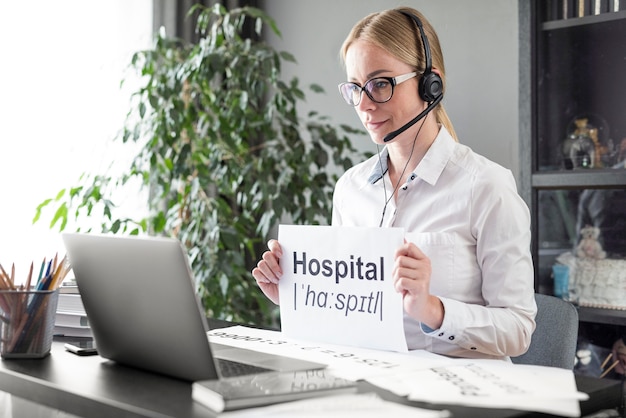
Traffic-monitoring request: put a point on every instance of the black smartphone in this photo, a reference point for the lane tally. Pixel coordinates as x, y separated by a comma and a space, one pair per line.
82, 348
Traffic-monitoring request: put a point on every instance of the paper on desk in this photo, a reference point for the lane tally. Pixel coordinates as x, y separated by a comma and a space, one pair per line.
490, 384
337, 286
365, 405
348, 362
423, 376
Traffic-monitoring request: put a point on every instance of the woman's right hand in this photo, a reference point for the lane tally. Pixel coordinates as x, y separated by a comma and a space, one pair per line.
267, 272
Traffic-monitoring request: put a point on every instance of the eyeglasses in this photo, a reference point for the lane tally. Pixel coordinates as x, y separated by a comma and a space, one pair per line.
379, 89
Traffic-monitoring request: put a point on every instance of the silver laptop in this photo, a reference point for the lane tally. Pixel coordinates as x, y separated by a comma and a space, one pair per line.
140, 300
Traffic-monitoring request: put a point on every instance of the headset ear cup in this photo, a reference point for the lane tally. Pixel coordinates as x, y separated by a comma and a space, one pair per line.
430, 87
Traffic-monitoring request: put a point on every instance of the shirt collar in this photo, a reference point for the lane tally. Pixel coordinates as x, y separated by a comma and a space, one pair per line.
379, 169
431, 166
437, 157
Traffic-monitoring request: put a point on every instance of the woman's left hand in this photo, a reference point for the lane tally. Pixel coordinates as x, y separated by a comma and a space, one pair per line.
411, 275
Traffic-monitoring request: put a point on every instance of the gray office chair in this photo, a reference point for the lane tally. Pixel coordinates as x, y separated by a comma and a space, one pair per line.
554, 340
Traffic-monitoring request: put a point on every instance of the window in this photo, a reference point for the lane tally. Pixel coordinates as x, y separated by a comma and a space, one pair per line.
61, 106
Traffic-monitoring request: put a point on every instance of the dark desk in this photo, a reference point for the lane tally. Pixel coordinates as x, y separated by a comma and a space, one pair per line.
94, 387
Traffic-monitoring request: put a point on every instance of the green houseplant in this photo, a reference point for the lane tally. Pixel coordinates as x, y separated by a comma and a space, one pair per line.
224, 154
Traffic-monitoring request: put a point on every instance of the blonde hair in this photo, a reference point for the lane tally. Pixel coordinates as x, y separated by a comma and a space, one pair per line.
390, 30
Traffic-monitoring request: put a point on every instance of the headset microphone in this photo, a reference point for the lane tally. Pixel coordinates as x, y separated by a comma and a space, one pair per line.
430, 85
391, 135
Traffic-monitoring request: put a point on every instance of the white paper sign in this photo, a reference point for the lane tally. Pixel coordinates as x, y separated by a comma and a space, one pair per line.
337, 286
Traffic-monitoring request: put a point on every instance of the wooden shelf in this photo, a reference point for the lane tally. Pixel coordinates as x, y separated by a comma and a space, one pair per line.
576, 70
602, 315
579, 179
585, 20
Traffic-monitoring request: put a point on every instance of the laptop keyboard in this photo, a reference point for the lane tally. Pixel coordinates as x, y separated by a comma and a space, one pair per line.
230, 368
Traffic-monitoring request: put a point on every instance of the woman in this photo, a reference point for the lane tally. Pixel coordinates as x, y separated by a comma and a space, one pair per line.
472, 295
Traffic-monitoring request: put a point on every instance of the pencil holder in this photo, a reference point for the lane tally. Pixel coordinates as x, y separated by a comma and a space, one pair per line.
27, 322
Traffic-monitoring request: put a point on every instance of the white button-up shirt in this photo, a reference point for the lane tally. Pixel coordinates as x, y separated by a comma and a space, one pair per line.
463, 211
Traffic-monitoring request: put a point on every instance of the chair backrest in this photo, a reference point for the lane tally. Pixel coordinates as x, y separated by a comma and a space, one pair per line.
554, 341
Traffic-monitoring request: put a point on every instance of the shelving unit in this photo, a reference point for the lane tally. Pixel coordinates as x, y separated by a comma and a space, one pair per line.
577, 71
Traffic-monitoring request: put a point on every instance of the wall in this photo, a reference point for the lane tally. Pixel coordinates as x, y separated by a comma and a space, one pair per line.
479, 39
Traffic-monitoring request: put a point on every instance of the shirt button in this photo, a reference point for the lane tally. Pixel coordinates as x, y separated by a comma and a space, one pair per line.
451, 337
412, 176
404, 188
440, 334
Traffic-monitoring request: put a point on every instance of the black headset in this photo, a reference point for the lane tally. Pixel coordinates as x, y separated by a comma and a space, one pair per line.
430, 85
